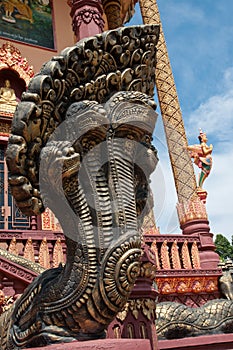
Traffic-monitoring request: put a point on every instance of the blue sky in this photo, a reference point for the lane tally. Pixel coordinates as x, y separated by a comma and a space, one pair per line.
199, 36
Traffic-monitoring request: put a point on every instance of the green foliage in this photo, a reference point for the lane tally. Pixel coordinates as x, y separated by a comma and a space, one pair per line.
223, 247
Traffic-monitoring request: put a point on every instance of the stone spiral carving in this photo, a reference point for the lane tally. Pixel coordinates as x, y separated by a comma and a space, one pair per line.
82, 147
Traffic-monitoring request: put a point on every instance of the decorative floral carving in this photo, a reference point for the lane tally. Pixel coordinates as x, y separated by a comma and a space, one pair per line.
182, 287
46, 220
165, 256
44, 259
186, 256
175, 256
192, 209
198, 284
146, 306
154, 248
58, 256
6, 302
211, 285
13, 247
10, 57
166, 288
121, 316
86, 12
195, 256
29, 252
148, 270
86, 16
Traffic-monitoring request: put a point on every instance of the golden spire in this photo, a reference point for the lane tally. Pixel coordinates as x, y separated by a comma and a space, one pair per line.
182, 167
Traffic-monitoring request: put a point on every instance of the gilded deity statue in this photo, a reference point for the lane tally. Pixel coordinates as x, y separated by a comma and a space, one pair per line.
202, 157
7, 94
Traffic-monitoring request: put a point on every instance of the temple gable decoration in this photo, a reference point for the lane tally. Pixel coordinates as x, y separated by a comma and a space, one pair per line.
15, 74
11, 58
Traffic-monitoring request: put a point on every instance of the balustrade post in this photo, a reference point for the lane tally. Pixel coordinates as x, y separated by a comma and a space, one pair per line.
209, 259
33, 222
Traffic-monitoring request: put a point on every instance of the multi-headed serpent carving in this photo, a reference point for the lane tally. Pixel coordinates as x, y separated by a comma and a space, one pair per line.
175, 320
81, 145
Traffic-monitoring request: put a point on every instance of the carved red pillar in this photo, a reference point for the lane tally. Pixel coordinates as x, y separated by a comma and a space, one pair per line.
87, 17
137, 319
208, 257
194, 221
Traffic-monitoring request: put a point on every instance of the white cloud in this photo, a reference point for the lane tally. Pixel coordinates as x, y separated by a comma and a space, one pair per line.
215, 115
199, 40
165, 198
163, 186
185, 12
220, 199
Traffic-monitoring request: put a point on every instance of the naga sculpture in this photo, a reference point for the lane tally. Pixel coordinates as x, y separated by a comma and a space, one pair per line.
81, 145
226, 280
175, 320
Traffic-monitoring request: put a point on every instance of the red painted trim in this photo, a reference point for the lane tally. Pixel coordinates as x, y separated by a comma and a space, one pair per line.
103, 344
3, 138
16, 272
205, 342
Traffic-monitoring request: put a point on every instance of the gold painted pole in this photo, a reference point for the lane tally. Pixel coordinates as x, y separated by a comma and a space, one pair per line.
191, 210
182, 167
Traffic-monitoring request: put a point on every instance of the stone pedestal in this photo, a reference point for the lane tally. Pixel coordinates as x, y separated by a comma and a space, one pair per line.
194, 222
209, 259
